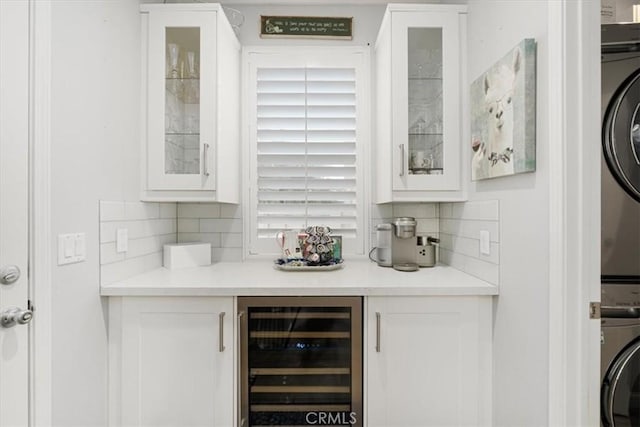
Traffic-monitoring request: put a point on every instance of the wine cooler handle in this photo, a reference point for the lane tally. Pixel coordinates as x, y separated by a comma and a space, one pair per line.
221, 332
239, 370
378, 315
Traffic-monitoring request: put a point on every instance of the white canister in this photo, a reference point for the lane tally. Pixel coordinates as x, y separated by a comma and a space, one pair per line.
426, 251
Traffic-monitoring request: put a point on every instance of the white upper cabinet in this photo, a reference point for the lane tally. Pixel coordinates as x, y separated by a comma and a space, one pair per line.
191, 109
419, 61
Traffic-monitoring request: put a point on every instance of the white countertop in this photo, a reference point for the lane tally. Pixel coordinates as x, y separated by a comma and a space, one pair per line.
260, 278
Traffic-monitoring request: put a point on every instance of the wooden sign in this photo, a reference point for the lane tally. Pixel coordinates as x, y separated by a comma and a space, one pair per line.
306, 27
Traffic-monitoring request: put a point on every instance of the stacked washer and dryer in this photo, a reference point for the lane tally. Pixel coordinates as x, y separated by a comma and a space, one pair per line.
620, 273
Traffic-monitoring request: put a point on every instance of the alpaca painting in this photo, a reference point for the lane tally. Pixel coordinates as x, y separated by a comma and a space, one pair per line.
503, 115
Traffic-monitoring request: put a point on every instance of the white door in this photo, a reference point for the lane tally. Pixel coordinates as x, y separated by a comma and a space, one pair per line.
14, 211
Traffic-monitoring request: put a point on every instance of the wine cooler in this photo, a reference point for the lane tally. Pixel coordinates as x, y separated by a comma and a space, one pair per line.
300, 361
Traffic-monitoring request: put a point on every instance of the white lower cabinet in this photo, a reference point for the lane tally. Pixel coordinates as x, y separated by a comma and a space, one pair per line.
171, 361
428, 361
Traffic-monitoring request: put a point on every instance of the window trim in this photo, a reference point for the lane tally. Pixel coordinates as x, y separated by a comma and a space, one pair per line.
309, 56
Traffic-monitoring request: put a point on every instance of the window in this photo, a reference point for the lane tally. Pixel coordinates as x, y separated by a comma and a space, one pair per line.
308, 119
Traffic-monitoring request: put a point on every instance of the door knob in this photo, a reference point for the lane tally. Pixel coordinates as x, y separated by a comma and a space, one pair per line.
9, 274
13, 315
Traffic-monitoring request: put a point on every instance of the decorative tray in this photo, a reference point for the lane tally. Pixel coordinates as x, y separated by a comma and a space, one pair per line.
296, 265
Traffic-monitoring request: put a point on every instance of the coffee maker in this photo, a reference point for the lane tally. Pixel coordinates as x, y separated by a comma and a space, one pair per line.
403, 244
397, 244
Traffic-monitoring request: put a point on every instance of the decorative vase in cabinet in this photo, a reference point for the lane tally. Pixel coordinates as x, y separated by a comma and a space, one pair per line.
190, 104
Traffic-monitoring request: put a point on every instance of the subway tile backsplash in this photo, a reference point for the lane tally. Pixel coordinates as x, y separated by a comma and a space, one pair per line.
460, 226
426, 215
149, 227
215, 223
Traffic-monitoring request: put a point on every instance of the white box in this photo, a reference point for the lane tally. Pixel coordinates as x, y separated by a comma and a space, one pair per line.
183, 255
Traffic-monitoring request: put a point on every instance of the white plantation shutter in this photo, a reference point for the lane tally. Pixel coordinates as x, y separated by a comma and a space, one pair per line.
306, 152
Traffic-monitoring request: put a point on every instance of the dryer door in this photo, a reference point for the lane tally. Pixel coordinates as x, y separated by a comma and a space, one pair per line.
621, 389
621, 135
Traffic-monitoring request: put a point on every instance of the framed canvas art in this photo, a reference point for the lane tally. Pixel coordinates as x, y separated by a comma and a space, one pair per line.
503, 115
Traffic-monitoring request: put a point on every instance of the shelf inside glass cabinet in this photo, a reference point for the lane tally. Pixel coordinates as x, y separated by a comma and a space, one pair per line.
194, 134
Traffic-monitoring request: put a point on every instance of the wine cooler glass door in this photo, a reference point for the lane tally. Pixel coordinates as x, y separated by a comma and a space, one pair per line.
301, 361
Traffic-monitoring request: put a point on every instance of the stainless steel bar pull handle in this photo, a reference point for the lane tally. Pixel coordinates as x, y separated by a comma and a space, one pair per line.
401, 159
205, 160
629, 312
221, 332
240, 420
378, 316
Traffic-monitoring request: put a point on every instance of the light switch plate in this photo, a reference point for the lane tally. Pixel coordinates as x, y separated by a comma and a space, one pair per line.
71, 248
80, 246
122, 240
485, 242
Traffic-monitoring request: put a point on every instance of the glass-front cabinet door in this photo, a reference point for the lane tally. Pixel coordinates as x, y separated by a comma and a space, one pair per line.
426, 130
181, 94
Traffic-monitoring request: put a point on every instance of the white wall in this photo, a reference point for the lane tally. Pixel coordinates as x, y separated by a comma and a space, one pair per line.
95, 116
522, 309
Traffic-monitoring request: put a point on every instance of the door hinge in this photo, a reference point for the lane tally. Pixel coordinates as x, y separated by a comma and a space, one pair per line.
594, 310
30, 305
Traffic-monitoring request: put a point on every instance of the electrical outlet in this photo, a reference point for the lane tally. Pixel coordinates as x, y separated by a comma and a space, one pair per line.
122, 240
485, 242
